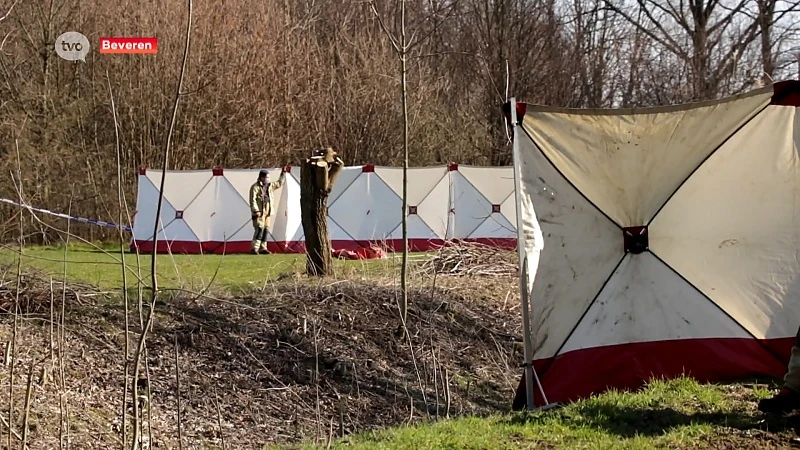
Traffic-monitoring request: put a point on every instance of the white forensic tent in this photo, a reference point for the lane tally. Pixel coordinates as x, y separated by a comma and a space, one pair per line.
206, 211
663, 241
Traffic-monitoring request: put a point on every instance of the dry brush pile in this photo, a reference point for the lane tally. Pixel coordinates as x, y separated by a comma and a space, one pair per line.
472, 259
298, 361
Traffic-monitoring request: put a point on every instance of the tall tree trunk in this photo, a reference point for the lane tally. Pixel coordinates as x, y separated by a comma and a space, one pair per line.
404, 87
317, 176
766, 20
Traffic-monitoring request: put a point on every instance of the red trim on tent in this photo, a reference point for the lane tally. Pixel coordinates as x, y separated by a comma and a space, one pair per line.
142, 171
216, 171
582, 373
786, 93
368, 168
395, 245
522, 108
288, 168
452, 166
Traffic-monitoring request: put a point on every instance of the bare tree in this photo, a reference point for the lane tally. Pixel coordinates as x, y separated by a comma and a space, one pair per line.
774, 33
706, 36
154, 288
403, 47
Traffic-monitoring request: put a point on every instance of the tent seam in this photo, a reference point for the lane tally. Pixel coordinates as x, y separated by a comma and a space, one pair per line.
425, 197
421, 219
499, 226
346, 188
482, 194
373, 231
162, 229
583, 316
501, 212
340, 227
484, 197
187, 226
579, 191
486, 219
446, 174
246, 202
225, 241
150, 238
702, 163
198, 194
768, 350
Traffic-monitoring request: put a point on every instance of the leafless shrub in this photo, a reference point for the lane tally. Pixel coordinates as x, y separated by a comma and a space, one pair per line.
263, 351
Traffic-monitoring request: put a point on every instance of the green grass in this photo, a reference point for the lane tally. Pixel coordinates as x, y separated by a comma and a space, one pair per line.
666, 414
101, 266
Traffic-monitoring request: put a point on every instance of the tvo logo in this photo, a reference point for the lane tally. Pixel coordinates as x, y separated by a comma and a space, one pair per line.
72, 46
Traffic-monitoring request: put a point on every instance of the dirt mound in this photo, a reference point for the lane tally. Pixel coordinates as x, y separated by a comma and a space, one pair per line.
302, 360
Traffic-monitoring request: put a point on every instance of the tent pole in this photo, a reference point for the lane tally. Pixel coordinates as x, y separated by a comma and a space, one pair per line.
523, 267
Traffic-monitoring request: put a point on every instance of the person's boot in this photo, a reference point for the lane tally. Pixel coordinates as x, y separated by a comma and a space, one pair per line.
785, 401
263, 251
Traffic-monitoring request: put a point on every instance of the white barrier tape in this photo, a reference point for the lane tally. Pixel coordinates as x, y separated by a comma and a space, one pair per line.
100, 223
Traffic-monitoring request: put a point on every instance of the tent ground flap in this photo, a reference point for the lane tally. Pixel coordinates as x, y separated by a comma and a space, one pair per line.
582, 373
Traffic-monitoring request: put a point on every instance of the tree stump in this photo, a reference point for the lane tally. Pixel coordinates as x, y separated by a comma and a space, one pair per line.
317, 176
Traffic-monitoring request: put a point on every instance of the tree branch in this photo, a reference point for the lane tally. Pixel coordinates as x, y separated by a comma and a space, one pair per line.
8, 13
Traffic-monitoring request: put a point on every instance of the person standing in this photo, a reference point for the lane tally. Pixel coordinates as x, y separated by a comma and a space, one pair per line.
261, 196
788, 399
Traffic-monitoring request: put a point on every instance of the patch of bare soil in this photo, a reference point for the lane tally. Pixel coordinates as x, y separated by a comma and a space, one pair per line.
761, 435
744, 427
304, 360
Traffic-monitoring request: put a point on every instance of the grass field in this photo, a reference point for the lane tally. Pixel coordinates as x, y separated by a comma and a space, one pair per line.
678, 414
100, 265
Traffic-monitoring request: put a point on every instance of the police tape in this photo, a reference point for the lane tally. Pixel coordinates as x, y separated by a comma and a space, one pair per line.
100, 223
